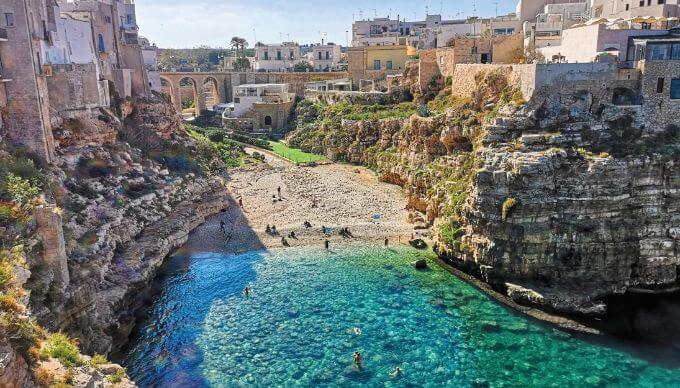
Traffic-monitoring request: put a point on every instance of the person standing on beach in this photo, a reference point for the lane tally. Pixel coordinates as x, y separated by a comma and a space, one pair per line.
387, 243
279, 191
328, 245
240, 202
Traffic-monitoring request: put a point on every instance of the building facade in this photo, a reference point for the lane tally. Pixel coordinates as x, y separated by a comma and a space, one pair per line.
276, 57
325, 57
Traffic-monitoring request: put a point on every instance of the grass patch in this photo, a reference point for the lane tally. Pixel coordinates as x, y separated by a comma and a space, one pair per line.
62, 348
294, 154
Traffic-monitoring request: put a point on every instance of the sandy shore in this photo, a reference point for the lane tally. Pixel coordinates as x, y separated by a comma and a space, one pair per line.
335, 196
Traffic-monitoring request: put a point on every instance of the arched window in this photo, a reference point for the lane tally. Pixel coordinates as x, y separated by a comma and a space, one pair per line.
100, 43
267, 120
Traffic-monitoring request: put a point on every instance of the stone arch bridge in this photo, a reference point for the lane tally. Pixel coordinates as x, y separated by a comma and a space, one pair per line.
213, 88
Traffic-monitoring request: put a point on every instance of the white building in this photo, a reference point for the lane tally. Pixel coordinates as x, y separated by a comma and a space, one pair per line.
246, 96
430, 33
150, 58
325, 57
276, 57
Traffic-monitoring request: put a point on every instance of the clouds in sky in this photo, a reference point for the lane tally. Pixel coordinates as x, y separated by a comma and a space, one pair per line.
189, 23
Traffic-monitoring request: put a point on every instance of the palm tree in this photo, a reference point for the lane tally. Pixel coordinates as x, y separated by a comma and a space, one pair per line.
239, 44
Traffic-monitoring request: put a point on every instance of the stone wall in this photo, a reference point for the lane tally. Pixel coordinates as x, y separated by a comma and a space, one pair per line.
51, 234
74, 87
659, 109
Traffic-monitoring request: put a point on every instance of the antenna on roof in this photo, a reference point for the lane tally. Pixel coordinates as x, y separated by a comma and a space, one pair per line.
441, 7
375, 12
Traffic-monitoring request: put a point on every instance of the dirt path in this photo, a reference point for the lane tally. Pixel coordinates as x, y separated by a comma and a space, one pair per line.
335, 196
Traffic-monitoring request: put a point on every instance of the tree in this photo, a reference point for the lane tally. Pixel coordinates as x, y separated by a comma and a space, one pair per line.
302, 67
239, 44
241, 64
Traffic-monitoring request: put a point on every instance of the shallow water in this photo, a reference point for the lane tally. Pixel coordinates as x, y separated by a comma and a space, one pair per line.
296, 328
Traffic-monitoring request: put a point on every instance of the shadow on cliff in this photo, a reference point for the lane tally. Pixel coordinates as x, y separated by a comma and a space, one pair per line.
216, 264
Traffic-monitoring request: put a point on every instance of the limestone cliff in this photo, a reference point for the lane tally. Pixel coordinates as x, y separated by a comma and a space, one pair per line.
558, 202
131, 186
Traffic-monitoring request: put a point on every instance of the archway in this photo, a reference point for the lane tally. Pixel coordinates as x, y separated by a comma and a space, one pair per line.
189, 98
168, 90
268, 121
211, 94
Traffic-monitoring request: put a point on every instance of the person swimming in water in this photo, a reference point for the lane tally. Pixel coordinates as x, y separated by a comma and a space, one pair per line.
246, 291
357, 359
356, 331
396, 372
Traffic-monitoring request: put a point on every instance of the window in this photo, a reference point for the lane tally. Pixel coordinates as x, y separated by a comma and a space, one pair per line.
642, 3
375, 29
675, 51
675, 89
278, 55
376, 64
389, 65
627, 7
320, 55
649, 2
100, 43
659, 85
267, 120
108, 19
129, 18
328, 55
660, 2
292, 54
657, 52
9, 19
266, 55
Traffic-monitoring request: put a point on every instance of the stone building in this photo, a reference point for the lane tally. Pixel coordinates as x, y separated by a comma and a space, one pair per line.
375, 63
26, 29
64, 59
115, 37
259, 108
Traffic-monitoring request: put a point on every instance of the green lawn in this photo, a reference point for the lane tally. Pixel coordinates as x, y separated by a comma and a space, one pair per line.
294, 154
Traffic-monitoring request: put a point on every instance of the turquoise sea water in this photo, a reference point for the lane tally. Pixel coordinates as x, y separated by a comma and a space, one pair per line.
297, 328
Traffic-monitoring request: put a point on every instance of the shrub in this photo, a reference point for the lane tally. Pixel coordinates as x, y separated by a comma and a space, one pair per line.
69, 376
44, 377
62, 348
97, 360
117, 376
216, 136
508, 205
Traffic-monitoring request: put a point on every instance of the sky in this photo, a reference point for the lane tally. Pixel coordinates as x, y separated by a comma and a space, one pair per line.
190, 23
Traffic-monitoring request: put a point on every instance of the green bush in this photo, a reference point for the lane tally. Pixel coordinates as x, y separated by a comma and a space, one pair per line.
97, 360
62, 348
117, 376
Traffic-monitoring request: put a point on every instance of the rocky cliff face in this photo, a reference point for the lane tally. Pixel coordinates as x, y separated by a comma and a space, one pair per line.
131, 186
558, 204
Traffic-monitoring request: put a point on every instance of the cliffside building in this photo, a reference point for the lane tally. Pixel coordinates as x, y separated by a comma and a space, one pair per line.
259, 108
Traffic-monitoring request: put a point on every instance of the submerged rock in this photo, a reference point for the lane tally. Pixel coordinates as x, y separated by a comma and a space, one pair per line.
421, 264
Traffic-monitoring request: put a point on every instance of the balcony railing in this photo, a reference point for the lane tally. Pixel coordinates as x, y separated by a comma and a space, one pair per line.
3, 35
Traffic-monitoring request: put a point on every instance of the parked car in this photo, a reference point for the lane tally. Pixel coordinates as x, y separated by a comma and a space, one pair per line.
220, 108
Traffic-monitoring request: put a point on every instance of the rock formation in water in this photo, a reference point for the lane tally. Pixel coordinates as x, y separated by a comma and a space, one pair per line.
558, 202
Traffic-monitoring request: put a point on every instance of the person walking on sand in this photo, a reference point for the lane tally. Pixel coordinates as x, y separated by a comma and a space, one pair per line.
268, 230
328, 245
387, 243
240, 202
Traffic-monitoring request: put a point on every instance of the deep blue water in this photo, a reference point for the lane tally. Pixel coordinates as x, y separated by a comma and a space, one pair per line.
298, 328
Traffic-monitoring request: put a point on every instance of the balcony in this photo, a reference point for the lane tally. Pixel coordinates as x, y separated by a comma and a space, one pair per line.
3, 35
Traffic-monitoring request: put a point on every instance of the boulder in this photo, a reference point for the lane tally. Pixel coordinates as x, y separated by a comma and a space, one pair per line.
421, 264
